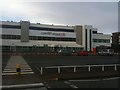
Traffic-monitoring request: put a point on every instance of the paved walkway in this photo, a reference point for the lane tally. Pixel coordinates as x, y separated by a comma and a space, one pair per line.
10, 68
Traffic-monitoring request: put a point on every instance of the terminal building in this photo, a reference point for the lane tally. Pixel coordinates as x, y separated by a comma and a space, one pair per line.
24, 36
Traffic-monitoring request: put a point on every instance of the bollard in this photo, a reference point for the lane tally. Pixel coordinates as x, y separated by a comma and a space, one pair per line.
58, 69
18, 69
41, 70
103, 68
74, 68
115, 67
89, 68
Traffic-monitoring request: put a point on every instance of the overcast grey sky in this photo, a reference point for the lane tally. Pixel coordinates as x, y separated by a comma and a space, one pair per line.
102, 15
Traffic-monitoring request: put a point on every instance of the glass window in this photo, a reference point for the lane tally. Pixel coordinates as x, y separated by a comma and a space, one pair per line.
9, 37
108, 41
51, 29
39, 38
34, 37
94, 40
99, 40
44, 38
104, 41
30, 37
53, 39
18, 37
11, 26
48, 38
58, 39
3, 37
13, 36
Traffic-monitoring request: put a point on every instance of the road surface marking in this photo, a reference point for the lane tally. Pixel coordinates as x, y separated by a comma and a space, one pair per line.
10, 68
111, 78
15, 69
66, 82
22, 70
86, 80
26, 70
8, 71
97, 79
23, 85
73, 86
15, 73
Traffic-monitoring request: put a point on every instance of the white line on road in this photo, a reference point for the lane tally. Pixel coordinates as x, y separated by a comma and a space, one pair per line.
23, 85
113, 78
66, 82
26, 70
73, 86
7, 69
97, 79
8, 73
15, 73
86, 80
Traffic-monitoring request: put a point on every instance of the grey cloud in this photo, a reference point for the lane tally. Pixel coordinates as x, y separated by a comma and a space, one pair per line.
103, 15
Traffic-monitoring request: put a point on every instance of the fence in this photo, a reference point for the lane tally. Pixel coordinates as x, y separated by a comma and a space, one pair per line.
76, 66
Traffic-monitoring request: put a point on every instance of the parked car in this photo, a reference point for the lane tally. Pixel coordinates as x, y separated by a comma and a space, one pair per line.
106, 52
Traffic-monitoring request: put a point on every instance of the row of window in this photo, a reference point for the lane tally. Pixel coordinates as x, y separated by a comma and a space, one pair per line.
39, 48
11, 26
38, 28
10, 36
52, 38
51, 29
101, 40
39, 38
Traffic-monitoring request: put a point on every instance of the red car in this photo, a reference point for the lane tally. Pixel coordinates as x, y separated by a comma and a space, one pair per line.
83, 53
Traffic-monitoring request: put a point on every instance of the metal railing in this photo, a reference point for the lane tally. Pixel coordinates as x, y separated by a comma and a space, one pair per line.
76, 66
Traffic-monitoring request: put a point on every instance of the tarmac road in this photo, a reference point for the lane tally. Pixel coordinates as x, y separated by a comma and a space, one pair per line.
107, 83
93, 83
35, 62
70, 60
66, 60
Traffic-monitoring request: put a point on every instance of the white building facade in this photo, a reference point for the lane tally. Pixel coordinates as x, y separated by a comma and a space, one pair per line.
28, 36
101, 40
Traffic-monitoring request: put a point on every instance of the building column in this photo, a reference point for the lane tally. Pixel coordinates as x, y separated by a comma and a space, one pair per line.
24, 31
